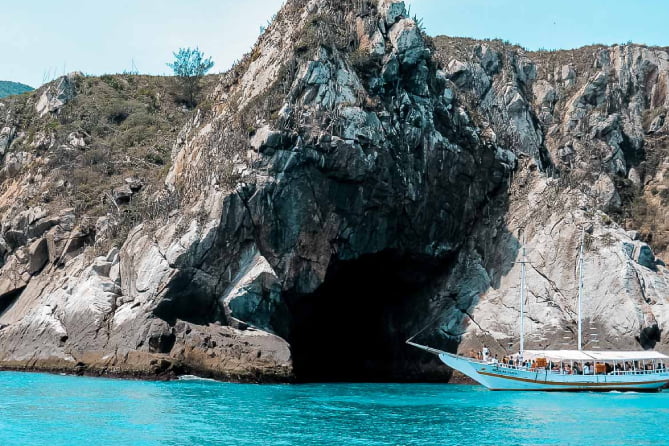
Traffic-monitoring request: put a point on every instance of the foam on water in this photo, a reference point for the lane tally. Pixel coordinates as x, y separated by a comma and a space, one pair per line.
194, 378
64, 410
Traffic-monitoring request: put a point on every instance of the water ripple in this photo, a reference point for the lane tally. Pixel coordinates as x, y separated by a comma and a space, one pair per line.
62, 410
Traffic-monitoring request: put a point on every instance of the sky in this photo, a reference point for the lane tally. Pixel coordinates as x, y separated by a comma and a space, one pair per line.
42, 39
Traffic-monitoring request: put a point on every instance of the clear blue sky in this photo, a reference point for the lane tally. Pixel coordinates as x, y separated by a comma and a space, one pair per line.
41, 39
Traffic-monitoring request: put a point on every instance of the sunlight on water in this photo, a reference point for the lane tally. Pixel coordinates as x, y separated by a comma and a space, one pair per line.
60, 410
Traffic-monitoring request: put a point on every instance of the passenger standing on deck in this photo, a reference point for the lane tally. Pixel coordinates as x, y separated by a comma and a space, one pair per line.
486, 353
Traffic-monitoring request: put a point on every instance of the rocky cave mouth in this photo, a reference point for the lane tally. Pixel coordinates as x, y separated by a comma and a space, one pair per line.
353, 328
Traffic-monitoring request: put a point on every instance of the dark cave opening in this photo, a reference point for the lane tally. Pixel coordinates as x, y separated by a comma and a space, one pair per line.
353, 328
189, 298
8, 299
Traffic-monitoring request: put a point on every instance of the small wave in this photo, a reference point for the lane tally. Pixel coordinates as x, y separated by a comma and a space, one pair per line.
195, 378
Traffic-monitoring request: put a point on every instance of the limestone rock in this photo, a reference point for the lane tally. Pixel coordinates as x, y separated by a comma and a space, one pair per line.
332, 185
57, 95
391, 11
123, 194
605, 191
266, 138
6, 137
38, 254
657, 124
407, 41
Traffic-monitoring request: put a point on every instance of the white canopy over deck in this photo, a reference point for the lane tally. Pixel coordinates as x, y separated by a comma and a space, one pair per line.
591, 355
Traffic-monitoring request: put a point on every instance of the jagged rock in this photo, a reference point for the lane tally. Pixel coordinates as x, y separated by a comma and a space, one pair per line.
6, 138
605, 191
634, 177
568, 75
76, 140
459, 74
657, 124
123, 194
490, 59
266, 138
646, 257
14, 162
43, 141
314, 192
391, 11
57, 95
254, 295
545, 93
14, 238
13, 278
407, 41
39, 256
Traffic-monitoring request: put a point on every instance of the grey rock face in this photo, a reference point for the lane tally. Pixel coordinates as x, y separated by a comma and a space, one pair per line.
355, 183
54, 97
595, 141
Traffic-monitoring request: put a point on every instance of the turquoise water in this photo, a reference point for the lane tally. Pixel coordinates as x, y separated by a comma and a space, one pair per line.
38, 409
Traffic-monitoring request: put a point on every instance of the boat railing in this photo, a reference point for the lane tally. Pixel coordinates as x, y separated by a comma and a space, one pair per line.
657, 370
566, 372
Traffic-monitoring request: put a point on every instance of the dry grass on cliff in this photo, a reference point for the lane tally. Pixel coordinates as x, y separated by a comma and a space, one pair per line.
461, 48
128, 124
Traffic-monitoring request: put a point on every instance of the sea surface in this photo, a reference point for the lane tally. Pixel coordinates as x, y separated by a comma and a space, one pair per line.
39, 409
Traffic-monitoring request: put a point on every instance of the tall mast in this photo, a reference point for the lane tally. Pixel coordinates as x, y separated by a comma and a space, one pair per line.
580, 293
522, 299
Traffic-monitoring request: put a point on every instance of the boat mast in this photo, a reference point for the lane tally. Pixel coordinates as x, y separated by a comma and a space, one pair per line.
580, 294
522, 299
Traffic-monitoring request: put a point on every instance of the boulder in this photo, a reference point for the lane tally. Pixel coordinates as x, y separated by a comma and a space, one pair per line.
38, 254
568, 75
122, 194
266, 138
645, 256
606, 193
634, 177
656, 124
76, 140
459, 73
6, 137
641, 253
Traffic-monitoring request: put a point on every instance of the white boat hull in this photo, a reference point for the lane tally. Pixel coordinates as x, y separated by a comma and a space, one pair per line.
498, 377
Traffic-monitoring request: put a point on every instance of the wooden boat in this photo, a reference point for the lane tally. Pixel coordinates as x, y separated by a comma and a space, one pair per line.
563, 370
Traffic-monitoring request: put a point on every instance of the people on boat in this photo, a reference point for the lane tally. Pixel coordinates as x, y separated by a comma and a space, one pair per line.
586, 368
485, 352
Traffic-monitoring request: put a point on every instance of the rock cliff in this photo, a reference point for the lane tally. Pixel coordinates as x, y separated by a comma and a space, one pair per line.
349, 183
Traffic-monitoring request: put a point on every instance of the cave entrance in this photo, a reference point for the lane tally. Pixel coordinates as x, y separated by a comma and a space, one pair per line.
8, 299
353, 328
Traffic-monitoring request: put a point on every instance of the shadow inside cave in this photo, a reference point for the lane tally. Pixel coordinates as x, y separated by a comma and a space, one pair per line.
353, 328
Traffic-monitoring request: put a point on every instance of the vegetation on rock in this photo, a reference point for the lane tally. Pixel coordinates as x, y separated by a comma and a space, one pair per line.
189, 66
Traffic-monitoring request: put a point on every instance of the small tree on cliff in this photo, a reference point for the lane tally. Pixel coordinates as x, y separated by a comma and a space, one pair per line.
189, 66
